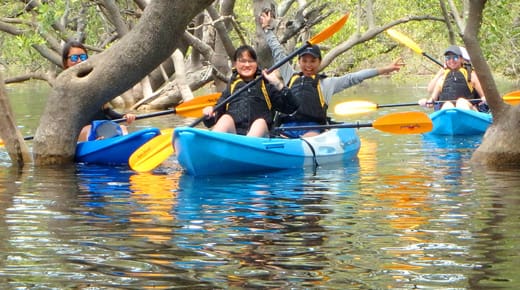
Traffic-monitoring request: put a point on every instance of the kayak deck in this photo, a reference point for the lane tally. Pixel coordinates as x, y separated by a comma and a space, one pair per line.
115, 150
456, 121
203, 152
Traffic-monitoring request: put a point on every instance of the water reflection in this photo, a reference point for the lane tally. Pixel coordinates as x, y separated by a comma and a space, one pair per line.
410, 212
264, 227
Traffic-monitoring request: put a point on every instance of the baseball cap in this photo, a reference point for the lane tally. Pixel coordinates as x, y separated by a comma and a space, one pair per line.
465, 54
313, 50
453, 49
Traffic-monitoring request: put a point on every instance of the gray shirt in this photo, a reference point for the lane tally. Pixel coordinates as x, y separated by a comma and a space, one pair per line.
329, 85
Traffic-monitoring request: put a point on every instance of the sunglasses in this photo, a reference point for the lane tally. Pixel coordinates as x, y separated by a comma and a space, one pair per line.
454, 57
76, 57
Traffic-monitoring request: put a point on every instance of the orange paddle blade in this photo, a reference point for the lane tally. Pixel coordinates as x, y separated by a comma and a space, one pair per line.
404, 123
329, 31
512, 98
403, 39
193, 108
153, 152
354, 107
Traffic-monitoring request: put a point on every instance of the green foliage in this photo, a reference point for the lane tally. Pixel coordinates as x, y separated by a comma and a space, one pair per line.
499, 35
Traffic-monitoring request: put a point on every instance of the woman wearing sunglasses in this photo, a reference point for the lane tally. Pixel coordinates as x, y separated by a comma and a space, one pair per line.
456, 85
74, 52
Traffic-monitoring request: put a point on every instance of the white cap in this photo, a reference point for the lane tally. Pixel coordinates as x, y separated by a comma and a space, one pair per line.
465, 54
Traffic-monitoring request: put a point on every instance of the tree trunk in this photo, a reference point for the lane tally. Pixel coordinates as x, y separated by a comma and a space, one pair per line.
499, 148
13, 139
82, 89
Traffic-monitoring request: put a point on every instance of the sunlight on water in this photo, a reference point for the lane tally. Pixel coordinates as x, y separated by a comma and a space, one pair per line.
409, 212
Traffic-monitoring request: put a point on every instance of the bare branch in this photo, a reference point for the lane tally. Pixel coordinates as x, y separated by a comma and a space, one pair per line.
7, 28
221, 30
111, 11
31, 76
368, 35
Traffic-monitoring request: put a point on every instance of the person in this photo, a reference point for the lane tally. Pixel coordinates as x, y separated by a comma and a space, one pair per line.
456, 85
312, 90
251, 111
74, 52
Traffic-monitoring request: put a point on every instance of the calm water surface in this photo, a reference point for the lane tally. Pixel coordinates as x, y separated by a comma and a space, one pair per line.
409, 212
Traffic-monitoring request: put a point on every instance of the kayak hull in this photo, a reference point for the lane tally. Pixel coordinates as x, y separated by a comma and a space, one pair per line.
456, 121
115, 150
203, 152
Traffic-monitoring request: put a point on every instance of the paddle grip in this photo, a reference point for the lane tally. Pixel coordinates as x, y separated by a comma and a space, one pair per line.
331, 126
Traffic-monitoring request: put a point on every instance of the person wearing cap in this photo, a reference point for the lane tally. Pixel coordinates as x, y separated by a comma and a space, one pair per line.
312, 90
455, 85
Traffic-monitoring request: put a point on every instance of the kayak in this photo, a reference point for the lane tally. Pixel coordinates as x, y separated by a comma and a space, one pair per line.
115, 150
456, 121
204, 152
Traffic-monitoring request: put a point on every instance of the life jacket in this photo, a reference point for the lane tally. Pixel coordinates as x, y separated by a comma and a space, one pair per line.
312, 106
456, 84
250, 105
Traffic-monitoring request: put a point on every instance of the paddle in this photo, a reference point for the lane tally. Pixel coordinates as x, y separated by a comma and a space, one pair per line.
405, 40
191, 108
512, 98
144, 159
396, 123
359, 107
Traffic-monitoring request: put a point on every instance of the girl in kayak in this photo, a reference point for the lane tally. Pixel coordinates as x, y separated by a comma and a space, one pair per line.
251, 111
312, 90
455, 85
74, 52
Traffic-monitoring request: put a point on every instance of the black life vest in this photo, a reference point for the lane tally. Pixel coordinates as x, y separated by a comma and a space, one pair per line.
311, 103
456, 85
250, 104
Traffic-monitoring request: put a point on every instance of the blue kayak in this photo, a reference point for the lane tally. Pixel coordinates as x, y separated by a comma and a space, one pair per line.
203, 152
456, 121
115, 150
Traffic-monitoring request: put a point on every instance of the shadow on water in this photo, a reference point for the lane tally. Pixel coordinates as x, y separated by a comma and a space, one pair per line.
410, 212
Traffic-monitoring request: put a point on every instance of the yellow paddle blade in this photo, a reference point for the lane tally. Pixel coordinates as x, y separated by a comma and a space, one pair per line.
329, 31
404, 123
354, 107
512, 98
193, 108
152, 153
403, 39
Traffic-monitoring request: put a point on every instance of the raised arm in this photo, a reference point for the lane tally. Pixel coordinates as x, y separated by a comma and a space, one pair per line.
277, 50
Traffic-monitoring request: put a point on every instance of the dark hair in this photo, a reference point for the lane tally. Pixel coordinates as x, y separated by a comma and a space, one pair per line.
66, 50
245, 48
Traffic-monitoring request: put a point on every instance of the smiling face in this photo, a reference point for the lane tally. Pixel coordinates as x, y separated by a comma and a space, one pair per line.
246, 66
453, 61
309, 65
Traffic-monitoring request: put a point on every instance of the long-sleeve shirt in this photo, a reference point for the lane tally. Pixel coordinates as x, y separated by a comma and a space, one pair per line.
329, 85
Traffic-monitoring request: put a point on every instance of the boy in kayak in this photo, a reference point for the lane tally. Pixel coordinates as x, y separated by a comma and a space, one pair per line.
312, 90
250, 112
455, 85
74, 52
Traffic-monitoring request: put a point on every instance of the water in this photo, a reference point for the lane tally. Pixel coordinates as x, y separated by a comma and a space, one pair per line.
409, 212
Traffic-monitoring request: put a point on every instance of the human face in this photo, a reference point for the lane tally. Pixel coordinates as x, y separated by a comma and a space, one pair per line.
246, 66
453, 61
76, 53
309, 65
